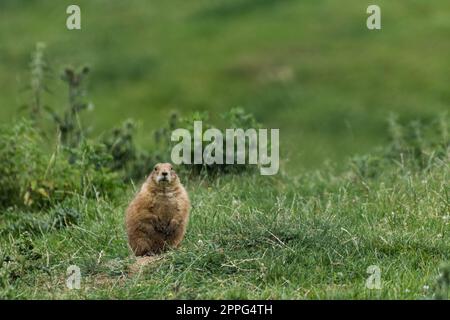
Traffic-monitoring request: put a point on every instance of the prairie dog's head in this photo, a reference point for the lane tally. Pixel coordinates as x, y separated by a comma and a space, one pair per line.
164, 175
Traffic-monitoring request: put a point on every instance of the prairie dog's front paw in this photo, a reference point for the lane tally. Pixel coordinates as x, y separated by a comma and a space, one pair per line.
156, 222
172, 226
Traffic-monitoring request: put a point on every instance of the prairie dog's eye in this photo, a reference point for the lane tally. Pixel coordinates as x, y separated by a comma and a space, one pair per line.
156, 168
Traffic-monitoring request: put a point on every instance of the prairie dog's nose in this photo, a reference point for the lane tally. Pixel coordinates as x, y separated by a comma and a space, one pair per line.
164, 173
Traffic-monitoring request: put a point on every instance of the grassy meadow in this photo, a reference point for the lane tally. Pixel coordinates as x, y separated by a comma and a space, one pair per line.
364, 144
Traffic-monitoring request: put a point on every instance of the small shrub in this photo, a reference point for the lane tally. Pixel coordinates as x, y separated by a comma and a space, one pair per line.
234, 119
89, 170
126, 157
413, 143
68, 124
31, 176
64, 217
39, 72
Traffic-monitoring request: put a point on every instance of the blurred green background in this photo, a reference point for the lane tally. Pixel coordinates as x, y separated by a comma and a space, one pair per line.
308, 67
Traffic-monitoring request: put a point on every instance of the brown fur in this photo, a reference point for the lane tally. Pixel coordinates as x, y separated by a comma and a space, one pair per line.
156, 219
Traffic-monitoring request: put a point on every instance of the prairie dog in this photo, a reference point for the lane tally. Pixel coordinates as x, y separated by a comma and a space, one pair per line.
156, 218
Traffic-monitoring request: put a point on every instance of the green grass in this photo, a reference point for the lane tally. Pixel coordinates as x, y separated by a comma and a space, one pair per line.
311, 237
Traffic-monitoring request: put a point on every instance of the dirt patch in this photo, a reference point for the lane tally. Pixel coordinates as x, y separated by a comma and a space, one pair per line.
142, 262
